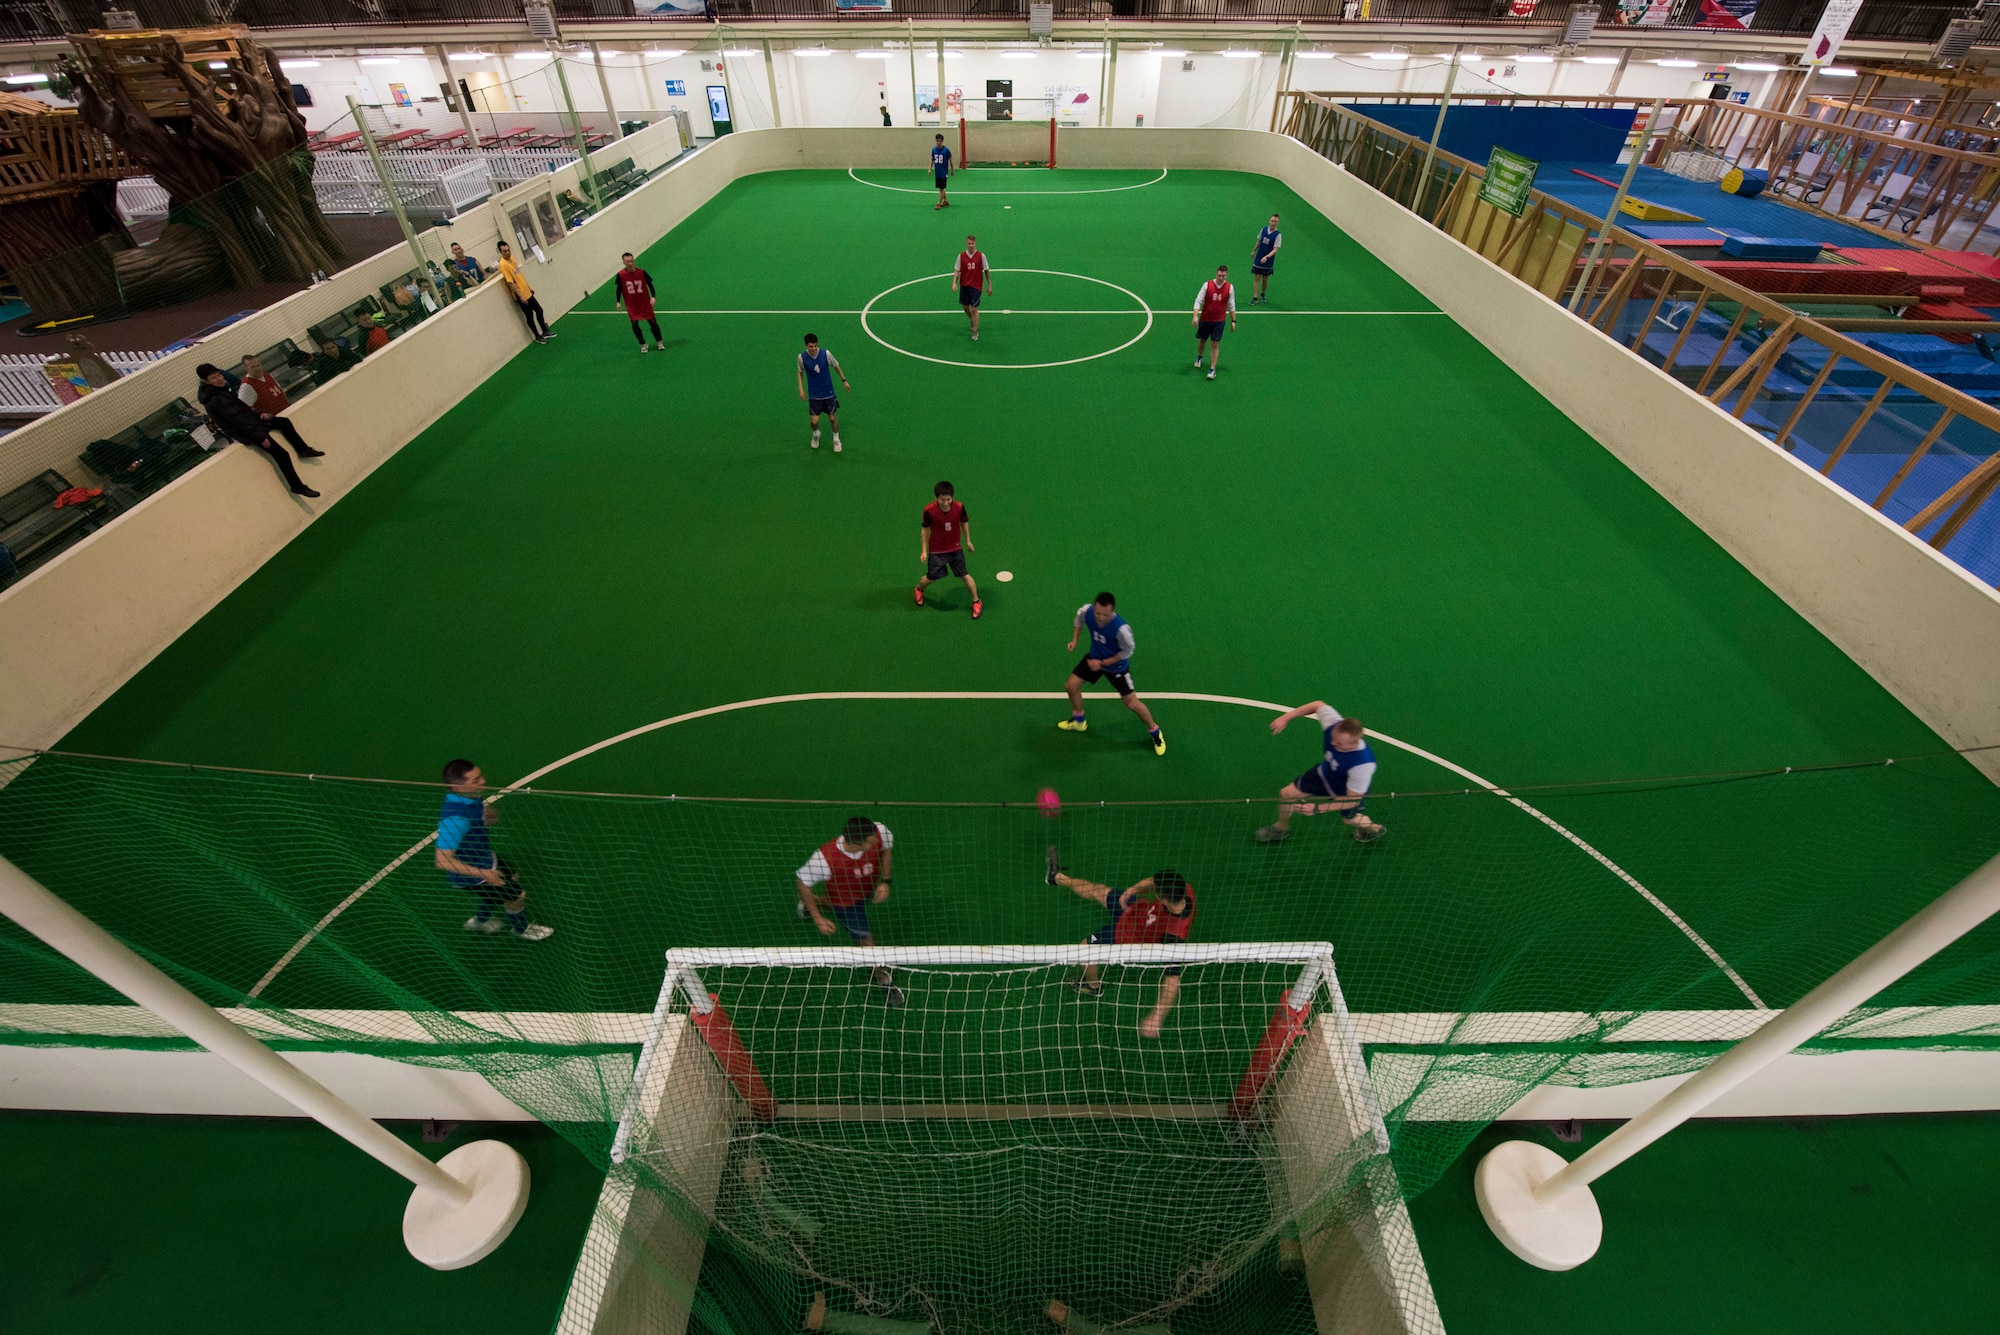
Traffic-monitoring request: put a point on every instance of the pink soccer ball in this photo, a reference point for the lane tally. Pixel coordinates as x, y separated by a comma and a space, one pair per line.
1048, 801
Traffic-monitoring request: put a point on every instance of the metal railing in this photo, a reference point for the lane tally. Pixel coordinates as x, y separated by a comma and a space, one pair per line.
1895, 186
1922, 452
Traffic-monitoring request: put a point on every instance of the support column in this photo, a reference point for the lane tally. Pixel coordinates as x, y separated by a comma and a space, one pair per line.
1617, 202
1618, 75
1437, 130
586, 175
604, 86
771, 73
916, 118
1110, 80
395, 200
944, 120
462, 1209
458, 97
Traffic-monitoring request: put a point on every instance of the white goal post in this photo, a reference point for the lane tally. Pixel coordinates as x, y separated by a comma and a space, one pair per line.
772, 1081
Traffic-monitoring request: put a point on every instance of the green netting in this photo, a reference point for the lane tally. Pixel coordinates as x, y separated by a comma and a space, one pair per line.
1583, 934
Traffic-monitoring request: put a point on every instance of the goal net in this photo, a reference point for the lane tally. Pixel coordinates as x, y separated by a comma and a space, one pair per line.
976, 1139
1007, 132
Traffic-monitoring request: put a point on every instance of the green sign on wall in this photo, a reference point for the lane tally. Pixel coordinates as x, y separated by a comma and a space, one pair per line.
1509, 178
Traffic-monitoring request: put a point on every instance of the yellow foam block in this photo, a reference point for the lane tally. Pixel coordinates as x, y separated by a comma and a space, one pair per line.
1647, 211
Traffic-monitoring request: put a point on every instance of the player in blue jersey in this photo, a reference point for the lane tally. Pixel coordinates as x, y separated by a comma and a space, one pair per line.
817, 368
1263, 259
1338, 783
940, 171
465, 855
1110, 656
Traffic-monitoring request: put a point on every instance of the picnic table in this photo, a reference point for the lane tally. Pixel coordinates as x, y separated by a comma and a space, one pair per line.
336, 142
401, 138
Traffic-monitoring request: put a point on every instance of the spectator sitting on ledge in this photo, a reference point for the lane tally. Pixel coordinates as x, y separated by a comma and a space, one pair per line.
331, 361
244, 424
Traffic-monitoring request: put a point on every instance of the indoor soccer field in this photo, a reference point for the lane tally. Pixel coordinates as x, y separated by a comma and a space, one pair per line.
627, 582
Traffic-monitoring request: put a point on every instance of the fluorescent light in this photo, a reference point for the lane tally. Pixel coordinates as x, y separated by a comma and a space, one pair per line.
464, 55
1534, 58
953, 55
1249, 55
742, 53
1388, 55
1756, 66
1677, 64
1474, 58
1312, 55
530, 55
1838, 71
292, 65
810, 51
1171, 53
665, 54
371, 60
1090, 55
1017, 55
27, 78
1599, 60
873, 55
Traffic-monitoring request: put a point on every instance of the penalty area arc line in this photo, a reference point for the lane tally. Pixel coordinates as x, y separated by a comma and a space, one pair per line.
932, 190
734, 706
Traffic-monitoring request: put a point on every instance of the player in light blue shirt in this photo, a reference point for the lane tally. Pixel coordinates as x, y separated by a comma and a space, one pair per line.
940, 171
1338, 783
817, 368
1110, 656
465, 855
1263, 259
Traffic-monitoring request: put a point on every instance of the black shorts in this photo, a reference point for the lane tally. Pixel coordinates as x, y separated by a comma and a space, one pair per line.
969, 296
1210, 330
942, 181
1121, 680
941, 562
829, 404
1262, 271
1314, 783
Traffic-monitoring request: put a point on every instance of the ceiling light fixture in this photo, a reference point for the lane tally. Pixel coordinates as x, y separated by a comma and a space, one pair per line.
811, 51
1677, 64
370, 60
460, 55
1598, 60
1312, 55
1757, 66
1017, 55
1535, 58
294, 65
1388, 55
873, 55
1234, 54
1838, 71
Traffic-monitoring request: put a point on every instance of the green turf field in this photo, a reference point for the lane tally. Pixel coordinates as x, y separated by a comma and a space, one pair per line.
1366, 506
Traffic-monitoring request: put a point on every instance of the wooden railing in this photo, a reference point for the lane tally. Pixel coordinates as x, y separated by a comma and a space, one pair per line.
1905, 189
1808, 387
50, 152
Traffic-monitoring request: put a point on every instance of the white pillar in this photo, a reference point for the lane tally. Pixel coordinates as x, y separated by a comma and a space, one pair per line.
463, 1207
1542, 1208
604, 87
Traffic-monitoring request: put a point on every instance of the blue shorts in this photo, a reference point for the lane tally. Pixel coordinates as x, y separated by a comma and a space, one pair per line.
854, 918
829, 404
1313, 783
969, 296
1210, 330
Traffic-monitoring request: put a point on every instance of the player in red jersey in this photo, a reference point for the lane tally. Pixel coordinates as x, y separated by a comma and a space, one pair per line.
975, 279
635, 289
1157, 909
946, 526
854, 868
1215, 302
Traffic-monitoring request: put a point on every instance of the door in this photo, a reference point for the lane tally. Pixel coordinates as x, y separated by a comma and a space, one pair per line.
999, 104
718, 109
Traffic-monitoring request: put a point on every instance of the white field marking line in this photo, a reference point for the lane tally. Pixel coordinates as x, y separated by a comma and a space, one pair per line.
522, 783
994, 310
1011, 366
932, 190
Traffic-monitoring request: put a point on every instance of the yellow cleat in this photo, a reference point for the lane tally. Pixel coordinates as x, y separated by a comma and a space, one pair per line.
1074, 725
1159, 743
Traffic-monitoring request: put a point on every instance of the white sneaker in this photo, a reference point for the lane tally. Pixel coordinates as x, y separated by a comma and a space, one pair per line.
486, 925
1197, 363
836, 444
642, 349
1211, 375
975, 336
536, 932
801, 910
815, 440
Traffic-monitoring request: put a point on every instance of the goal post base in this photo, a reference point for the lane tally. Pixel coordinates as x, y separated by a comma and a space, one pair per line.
1555, 1235
445, 1236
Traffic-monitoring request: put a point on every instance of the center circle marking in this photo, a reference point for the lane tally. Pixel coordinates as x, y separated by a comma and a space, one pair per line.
1140, 308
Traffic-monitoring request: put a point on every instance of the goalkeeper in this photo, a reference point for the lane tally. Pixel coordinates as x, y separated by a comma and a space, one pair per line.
1155, 910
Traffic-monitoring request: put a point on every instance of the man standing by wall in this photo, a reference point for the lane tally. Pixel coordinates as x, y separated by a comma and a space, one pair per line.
524, 296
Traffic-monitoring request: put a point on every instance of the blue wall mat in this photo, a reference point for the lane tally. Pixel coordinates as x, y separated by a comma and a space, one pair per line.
1546, 134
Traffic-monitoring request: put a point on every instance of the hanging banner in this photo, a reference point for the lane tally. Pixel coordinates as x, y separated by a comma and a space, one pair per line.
1643, 13
1734, 15
1509, 180
1834, 21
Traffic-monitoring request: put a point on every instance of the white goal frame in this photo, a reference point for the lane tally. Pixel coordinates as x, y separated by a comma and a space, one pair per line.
694, 1074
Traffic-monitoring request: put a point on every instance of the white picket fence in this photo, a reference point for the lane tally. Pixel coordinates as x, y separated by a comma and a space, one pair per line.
442, 181
25, 392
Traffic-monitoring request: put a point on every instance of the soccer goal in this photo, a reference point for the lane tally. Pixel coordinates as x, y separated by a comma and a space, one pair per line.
1007, 132
979, 1139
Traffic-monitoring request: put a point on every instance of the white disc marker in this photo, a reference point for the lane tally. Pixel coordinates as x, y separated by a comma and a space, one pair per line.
1005, 577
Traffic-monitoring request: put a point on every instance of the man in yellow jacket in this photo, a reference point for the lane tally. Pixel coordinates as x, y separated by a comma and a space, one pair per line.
524, 296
